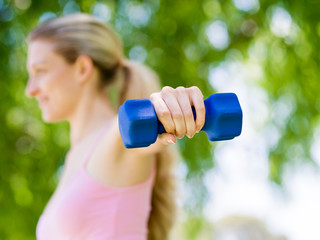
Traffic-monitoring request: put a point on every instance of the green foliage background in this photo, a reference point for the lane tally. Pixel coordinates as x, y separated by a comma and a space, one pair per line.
177, 48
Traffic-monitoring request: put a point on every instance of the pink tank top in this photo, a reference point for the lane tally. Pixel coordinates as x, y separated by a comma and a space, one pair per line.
88, 209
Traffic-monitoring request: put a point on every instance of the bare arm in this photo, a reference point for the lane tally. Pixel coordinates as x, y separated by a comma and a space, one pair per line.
114, 164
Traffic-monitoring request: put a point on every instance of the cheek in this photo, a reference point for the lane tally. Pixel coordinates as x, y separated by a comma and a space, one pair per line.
61, 90
66, 93
58, 93
61, 80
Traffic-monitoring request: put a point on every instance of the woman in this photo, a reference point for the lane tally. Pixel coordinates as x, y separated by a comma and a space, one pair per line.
78, 73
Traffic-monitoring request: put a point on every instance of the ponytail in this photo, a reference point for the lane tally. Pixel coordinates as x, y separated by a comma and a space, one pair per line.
139, 82
163, 213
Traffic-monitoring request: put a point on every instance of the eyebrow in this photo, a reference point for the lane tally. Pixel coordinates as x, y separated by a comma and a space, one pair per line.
36, 63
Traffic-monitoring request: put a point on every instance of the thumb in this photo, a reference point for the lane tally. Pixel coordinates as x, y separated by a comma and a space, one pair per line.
167, 138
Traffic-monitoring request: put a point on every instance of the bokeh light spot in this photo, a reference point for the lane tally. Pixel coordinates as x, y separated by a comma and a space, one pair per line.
102, 12
139, 14
247, 5
217, 34
71, 7
22, 4
281, 22
47, 16
6, 13
138, 53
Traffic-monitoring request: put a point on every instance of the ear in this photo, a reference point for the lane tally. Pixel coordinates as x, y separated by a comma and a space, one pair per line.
84, 68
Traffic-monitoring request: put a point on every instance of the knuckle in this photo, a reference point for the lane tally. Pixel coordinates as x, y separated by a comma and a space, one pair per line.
154, 96
180, 132
163, 114
177, 115
200, 123
180, 89
166, 90
189, 115
169, 128
201, 109
191, 129
195, 90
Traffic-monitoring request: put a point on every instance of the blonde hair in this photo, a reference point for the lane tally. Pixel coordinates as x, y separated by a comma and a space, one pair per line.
80, 34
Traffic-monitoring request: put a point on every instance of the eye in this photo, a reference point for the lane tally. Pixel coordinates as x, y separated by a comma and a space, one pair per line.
40, 70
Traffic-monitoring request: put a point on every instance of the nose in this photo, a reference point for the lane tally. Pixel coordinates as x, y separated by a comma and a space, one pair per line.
32, 88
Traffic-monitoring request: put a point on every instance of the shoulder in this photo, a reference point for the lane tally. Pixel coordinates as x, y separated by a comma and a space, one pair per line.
115, 165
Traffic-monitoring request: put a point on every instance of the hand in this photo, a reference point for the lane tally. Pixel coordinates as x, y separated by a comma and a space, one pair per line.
174, 110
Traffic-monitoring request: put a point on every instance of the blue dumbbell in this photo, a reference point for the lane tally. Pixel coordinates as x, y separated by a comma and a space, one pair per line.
139, 125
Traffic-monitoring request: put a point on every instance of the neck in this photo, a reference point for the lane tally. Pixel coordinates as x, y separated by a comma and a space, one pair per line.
92, 114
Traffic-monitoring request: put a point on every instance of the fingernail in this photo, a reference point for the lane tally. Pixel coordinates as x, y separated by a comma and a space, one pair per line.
170, 141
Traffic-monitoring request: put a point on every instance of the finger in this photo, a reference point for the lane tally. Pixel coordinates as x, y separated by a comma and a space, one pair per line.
168, 95
197, 101
185, 106
167, 138
162, 112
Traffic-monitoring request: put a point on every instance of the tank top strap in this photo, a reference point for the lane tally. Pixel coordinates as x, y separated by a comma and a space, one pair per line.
95, 143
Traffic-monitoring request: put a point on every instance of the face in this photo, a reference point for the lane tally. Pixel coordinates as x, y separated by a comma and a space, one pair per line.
52, 81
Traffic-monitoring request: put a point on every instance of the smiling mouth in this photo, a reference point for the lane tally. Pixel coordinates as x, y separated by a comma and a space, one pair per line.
41, 102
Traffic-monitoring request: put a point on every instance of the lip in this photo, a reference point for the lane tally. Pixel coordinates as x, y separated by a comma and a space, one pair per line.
42, 101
